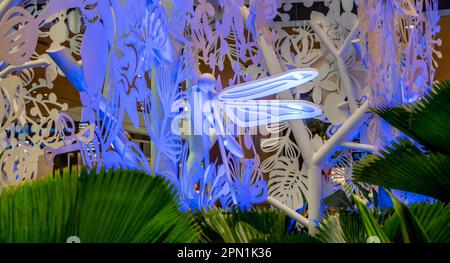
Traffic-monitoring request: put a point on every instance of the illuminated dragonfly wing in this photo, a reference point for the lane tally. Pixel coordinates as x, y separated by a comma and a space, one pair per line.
262, 112
268, 86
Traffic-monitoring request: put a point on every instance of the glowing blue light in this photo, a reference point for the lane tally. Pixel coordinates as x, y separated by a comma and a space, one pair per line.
264, 112
240, 105
268, 86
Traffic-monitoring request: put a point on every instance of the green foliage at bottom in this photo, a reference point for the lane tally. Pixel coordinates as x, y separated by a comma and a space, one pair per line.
418, 223
342, 227
259, 226
433, 218
113, 206
130, 206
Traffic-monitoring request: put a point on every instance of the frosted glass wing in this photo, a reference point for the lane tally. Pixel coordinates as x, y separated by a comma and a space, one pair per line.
268, 86
263, 112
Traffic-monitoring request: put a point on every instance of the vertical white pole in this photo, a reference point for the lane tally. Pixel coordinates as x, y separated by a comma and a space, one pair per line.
313, 160
300, 132
314, 194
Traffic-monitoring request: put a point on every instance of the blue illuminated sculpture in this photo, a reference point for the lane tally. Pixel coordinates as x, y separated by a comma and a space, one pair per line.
143, 60
126, 87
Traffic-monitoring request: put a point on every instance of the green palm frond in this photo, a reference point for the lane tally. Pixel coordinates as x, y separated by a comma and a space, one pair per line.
260, 226
434, 219
338, 200
242, 227
370, 223
405, 167
412, 230
342, 227
113, 206
416, 223
264, 220
130, 206
426, 121
40, 212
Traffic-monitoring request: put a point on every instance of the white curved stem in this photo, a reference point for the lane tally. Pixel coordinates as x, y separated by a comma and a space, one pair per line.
358, 146
289, 212
344, 133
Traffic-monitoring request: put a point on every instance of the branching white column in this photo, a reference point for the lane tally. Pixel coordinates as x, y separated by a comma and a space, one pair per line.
314, 160
346, 132
299, 130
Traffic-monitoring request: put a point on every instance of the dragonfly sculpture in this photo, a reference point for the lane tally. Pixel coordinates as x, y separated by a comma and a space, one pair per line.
242, 105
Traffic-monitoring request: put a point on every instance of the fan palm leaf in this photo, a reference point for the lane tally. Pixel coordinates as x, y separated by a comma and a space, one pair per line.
412, 230
370, 223
403, 166
38, 212
225, 227
259, 226
112, 206
434, 218
342, 227
426, 121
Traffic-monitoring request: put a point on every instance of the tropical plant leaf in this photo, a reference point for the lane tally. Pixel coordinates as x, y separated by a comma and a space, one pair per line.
434, 218
130, 206
261, 225
113, 206
426, 121
222, 227
40, 212
412, 230
373, 229
405, 167
383, 215
330, 230
342, 227
338, 200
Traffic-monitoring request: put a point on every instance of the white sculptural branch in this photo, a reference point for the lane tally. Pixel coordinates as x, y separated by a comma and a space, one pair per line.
313, 159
